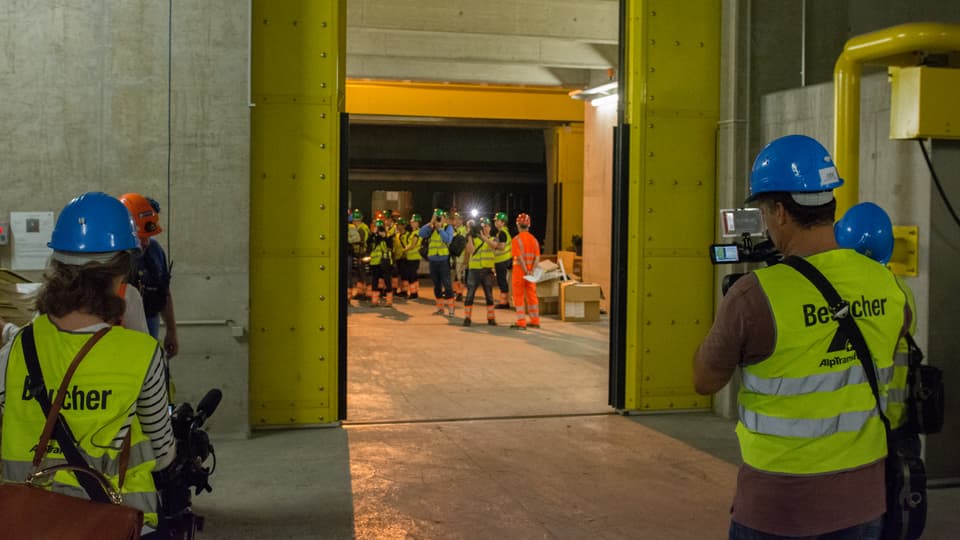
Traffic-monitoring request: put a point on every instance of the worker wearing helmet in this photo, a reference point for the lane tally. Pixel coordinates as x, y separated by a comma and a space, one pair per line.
400, 258
808, 423
410, 268
479, 260
525, 250
151, 273
118, 398
438, 234
502, 258
459, 267
381, 264
866, 228
358, 236
390, 224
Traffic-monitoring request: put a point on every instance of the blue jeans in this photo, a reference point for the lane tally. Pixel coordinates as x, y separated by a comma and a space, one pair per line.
870, 530
479, 278
153, 325
440, 274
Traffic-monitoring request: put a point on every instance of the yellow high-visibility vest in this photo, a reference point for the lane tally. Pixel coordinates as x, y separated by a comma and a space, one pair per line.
413, 240
808, 408
482, 256
437, 247
504, 253
102, 395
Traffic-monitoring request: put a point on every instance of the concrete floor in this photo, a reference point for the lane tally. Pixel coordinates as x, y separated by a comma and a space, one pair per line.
404, 363
566, 468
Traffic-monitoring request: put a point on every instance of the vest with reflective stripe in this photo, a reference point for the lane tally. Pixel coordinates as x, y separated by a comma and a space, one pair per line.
413, 240
525, 252
503, 254
897, 392
482, 256
381, 251
437, 247
102, 394
808, 409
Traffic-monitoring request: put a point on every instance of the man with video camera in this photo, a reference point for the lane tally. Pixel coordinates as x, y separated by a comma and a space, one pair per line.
438, 234
812, 440
479, 260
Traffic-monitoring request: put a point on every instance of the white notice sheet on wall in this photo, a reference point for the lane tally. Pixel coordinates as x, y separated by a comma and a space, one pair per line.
31, 232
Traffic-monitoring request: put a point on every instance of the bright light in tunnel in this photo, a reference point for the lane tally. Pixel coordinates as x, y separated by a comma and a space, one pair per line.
474, 212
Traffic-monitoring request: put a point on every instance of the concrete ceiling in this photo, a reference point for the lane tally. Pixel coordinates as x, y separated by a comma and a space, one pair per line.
569, 43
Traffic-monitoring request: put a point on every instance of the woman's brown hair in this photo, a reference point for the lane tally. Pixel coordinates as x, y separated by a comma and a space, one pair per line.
87, 288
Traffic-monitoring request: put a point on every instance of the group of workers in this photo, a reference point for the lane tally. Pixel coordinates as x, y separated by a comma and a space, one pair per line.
99, 335
462, 255
811, 429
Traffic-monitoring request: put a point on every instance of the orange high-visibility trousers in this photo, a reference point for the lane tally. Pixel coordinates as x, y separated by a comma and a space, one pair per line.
525, 292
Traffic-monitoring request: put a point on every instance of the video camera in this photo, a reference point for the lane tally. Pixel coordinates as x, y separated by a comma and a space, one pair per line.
474, 228
744, 224
188, 469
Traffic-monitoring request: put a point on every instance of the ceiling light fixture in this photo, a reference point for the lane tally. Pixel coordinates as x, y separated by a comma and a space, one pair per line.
598, 96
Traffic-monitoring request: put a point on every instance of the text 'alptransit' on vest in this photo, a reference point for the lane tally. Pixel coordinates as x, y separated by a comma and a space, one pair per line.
76, 399
865, 307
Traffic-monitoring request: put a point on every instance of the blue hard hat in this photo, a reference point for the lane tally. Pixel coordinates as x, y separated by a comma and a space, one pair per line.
795, 164
866, 228
94, 223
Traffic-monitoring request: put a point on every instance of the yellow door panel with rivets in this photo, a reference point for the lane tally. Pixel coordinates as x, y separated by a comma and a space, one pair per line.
296, 101
672, 105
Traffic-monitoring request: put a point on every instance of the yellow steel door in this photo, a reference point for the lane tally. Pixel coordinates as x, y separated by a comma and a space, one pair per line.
295, 227
663, 301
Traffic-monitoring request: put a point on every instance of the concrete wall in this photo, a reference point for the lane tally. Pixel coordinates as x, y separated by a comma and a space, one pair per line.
943, 340
788, 49
84, 108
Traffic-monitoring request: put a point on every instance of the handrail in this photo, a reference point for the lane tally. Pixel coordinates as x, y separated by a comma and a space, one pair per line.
894, 46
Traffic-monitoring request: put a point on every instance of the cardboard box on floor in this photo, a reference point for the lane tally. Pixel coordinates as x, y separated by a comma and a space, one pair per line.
548, 289
579, 302
547, 277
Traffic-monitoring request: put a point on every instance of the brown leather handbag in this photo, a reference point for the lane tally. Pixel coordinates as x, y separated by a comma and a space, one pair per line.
28, 510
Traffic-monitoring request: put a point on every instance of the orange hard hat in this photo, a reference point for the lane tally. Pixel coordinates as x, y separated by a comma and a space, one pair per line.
144, 214
523, 219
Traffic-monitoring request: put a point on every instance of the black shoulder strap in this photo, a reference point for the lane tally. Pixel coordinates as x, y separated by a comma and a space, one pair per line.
61, 432
840, 310
914, 353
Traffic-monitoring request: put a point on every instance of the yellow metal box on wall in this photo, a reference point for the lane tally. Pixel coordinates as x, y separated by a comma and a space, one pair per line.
924, 104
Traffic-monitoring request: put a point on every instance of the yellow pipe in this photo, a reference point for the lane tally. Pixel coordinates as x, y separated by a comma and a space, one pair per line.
894, 46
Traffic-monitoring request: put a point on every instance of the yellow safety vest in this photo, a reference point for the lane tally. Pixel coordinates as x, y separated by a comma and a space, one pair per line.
413, 239
808, 408
102, 395
437, 247
504, 254
482, 256
361, 248
897, 392
381, 251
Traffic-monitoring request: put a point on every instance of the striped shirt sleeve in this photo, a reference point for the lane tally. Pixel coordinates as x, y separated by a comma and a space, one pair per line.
153, 411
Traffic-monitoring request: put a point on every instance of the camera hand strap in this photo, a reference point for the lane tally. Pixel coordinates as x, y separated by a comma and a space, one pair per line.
56, 425
840, 310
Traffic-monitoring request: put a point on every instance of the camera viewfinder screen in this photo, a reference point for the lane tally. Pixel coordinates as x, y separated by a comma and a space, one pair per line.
725, 253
